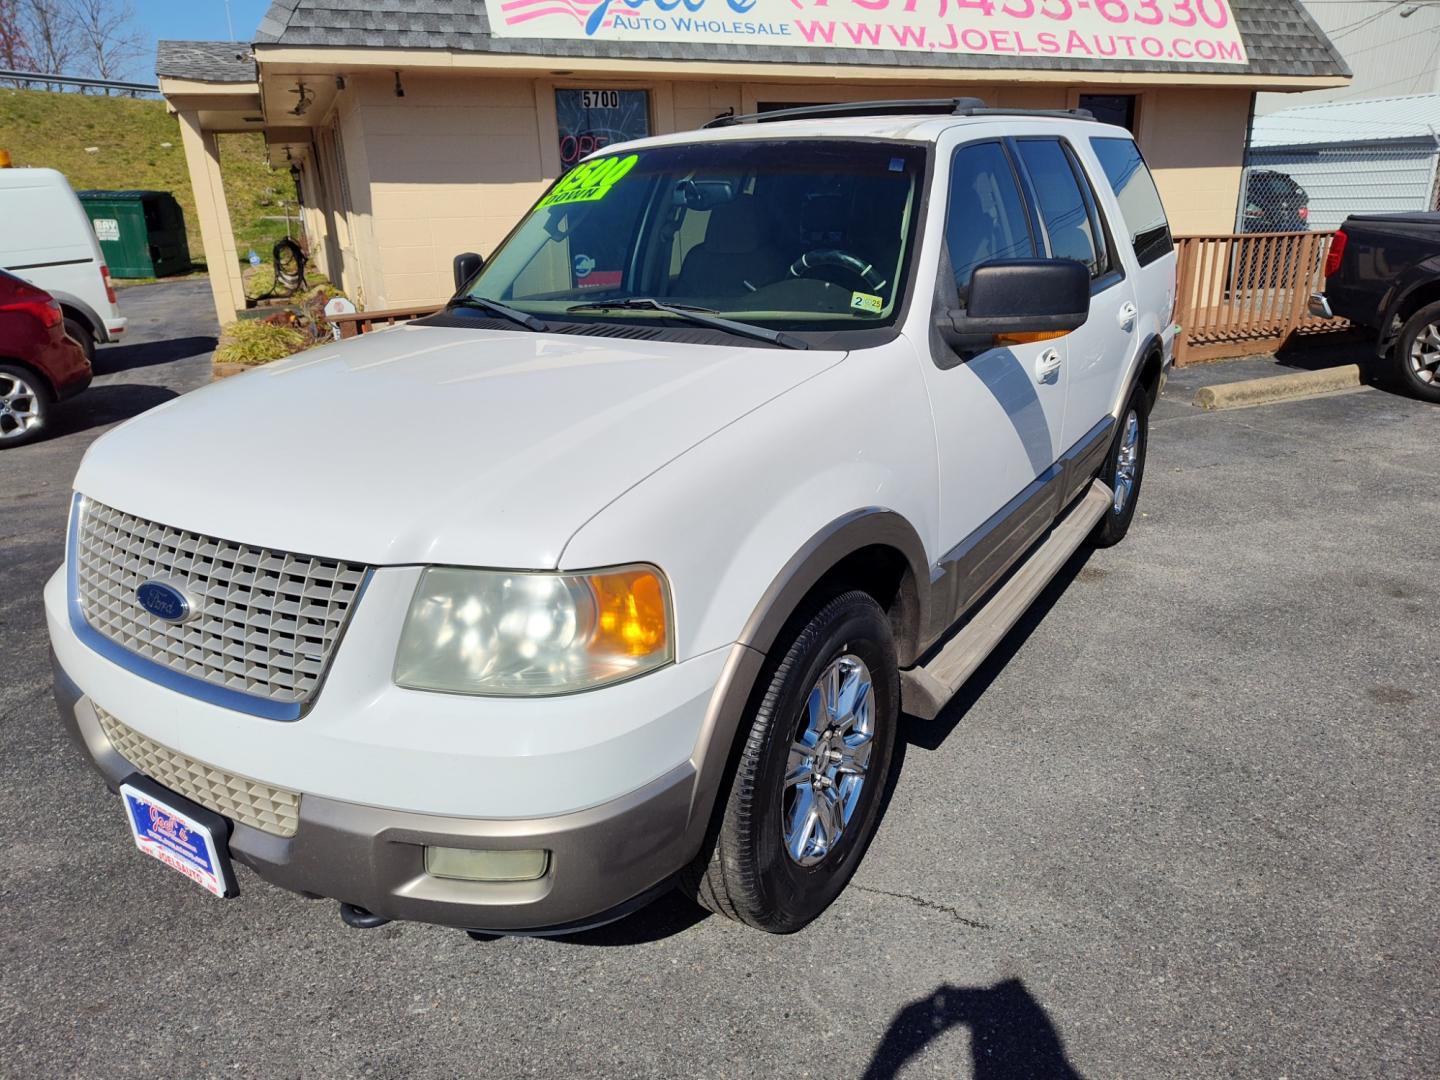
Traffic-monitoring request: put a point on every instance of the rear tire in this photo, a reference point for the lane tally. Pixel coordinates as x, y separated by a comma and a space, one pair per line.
1125, 469
24, 406
1415, 360
811, 776
79, 333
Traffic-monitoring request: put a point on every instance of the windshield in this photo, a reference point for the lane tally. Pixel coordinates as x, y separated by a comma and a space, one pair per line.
786, 234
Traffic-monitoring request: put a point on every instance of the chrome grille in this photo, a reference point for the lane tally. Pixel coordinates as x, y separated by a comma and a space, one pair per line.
266, 622
269, 809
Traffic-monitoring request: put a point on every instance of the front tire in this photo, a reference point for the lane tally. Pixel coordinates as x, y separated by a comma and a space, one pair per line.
812, 773
1125, 469
24, 406
1415, 362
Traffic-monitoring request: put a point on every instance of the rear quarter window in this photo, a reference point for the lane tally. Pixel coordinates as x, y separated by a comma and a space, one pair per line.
1139, 199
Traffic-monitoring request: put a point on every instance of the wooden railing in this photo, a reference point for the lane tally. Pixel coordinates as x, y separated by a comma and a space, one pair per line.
1247, 293
362, 322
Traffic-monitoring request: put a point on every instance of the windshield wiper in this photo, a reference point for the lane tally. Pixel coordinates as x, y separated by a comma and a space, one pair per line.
494, 307
697, 315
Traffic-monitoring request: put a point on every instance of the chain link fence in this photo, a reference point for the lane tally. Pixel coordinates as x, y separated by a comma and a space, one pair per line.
1309, 189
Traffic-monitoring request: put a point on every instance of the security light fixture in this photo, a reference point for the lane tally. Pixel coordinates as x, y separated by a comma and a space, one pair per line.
305, 97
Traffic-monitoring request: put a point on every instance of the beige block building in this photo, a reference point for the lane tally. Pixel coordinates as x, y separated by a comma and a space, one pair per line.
415, 131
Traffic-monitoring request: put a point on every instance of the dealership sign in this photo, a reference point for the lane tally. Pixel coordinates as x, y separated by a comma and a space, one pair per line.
1175, 31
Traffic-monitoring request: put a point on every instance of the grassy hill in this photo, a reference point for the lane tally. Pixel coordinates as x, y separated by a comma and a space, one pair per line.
137, 145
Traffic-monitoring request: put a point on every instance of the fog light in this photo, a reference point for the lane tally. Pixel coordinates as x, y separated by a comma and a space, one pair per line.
465, 864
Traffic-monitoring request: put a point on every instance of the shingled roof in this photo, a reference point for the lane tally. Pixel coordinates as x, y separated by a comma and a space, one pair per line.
205, 61
1280, 38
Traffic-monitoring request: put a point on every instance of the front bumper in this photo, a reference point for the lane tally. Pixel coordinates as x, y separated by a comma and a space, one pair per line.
602, 859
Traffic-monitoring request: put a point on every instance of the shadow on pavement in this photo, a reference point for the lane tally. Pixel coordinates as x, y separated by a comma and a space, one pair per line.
116, 358
1314, 352
102, 405
669, 914
931, 734
1011, 1036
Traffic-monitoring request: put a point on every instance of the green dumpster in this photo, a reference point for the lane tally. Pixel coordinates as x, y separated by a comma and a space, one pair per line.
142, 233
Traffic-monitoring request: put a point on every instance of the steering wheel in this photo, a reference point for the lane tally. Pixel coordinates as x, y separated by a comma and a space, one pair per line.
822, 257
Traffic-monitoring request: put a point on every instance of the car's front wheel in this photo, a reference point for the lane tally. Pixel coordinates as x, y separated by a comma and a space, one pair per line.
1125, 470
811, 775
24, 406
1416, 358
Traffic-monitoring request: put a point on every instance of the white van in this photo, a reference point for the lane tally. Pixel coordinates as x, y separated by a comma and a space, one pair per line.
48, 241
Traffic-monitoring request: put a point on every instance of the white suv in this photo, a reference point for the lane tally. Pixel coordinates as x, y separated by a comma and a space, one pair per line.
618, 573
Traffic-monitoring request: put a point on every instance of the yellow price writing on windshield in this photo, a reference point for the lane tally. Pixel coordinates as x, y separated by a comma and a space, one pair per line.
589, 181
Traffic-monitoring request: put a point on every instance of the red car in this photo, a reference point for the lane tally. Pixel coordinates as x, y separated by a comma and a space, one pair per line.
39, 365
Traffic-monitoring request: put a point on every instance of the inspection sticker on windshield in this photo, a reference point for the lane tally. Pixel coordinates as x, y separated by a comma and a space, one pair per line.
589, 181
864, 301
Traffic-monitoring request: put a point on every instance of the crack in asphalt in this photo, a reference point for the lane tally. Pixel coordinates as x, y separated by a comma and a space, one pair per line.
928, 905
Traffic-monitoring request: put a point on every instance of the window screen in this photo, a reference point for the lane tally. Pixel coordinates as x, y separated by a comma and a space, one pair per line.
1063, 208
986, 219
1139, 200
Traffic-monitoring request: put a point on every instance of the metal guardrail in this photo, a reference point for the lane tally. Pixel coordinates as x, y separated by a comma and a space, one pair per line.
11, 75
1246, 293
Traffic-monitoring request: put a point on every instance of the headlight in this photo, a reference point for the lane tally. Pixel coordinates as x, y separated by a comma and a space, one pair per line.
510, 634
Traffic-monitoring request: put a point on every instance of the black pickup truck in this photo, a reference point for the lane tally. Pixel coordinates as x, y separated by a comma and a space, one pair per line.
1383, 274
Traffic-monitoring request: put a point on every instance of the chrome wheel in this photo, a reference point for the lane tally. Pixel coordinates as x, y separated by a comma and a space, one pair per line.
19, 407
825, 773
1425, 355
1127, 463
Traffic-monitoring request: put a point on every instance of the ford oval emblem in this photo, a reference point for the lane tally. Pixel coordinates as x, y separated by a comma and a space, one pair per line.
164, 601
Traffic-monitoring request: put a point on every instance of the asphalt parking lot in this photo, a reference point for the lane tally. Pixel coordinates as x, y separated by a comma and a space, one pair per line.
1185, 824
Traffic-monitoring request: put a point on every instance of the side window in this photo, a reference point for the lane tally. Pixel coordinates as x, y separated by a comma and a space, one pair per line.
1064, 210
986, 218
1139, 200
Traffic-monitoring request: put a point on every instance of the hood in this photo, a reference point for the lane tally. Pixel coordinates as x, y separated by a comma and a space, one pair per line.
431, 444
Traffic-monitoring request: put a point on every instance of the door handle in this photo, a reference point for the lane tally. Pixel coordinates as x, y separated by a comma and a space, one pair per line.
1047, 365
1127, 316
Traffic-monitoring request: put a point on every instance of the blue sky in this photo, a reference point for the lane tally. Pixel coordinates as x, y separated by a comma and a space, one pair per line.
197, 19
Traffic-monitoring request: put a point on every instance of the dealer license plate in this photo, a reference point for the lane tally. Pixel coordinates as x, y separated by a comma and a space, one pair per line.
185, 837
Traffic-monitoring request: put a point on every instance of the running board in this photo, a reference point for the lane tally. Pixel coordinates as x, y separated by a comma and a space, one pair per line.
924, 691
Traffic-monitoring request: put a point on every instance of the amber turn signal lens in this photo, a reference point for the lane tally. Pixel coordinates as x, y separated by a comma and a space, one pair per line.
631, 617
1029, 339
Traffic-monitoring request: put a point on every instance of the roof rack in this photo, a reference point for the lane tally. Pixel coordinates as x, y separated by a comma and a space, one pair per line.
960, 106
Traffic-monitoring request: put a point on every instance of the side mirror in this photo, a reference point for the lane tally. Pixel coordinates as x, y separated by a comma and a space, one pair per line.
1012, 297
466, 267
